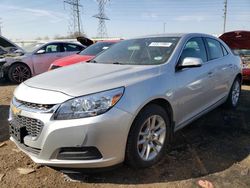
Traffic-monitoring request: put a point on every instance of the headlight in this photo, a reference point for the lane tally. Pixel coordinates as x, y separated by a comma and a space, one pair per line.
89, 105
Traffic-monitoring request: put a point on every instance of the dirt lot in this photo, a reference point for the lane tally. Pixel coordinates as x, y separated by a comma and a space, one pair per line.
216, 148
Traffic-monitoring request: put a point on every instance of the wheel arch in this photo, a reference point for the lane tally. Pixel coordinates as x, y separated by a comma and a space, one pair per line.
239, 75
164, 103
18, 62
7, 71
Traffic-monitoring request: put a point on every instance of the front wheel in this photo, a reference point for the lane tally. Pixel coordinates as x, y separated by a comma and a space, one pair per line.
234, 95
148, 137
19, 73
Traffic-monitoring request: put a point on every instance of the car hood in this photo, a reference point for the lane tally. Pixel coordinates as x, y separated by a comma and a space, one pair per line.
86, 78
237, 39
69, 60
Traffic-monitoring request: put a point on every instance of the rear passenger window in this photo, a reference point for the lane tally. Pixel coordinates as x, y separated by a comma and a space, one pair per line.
72, 48
215, 50
194, 48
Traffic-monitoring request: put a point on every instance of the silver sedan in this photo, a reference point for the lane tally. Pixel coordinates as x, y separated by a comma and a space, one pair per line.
126, 104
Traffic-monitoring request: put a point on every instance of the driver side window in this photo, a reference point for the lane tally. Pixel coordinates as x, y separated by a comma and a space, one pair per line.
194, 48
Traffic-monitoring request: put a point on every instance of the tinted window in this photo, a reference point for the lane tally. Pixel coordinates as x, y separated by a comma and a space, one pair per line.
72, 47
225, 52
96, 48
215, 50
142, 51
52, 48
194, 48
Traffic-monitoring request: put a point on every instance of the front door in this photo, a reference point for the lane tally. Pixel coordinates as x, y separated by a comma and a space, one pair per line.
51, 52
192, 84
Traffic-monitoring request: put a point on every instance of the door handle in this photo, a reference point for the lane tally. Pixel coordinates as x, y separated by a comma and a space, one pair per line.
210, 74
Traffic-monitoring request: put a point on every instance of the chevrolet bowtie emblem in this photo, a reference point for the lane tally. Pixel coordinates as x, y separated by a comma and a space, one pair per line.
15, 110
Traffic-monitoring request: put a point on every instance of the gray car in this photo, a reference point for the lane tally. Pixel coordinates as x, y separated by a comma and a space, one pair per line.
126, 104
37, 59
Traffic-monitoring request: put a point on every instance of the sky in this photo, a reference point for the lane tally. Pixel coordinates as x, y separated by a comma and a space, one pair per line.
30, 19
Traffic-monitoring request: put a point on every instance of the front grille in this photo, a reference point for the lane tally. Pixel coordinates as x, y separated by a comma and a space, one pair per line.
40, 107
33, 126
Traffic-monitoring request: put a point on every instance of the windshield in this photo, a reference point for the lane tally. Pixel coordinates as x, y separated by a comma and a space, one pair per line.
96, 48
144, 51
32, 47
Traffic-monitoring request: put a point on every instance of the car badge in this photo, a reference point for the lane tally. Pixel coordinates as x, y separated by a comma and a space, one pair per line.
15, 110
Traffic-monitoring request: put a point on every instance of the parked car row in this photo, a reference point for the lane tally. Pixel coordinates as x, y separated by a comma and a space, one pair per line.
38, 57
20, 64
126, 103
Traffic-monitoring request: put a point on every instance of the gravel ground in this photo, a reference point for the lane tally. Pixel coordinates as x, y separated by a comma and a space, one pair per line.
215, 148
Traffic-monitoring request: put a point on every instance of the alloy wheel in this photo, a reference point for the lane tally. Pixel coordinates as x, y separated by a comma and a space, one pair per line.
235, 93
151, 137
20, 73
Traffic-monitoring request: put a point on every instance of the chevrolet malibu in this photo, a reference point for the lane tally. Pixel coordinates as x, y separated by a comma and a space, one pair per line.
124, 105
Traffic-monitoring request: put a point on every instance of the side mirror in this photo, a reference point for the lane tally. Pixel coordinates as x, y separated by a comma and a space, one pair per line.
190, 62
19, 52
40, 52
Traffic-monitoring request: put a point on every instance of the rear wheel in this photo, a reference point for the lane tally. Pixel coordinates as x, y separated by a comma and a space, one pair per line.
19, 73
148, 137
234, 95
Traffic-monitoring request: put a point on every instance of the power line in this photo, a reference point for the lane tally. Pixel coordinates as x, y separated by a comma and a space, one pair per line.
225, 16
76, 18
101, 16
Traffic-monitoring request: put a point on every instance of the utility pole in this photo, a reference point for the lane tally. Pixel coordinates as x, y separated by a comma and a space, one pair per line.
225, 16
0, 26
76, 18
101, 16
164, 27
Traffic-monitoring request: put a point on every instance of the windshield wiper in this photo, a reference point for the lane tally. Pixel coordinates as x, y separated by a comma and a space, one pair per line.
92, 61
117, 63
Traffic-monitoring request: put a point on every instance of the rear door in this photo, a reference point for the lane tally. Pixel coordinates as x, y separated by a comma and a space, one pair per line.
222, 69
52, 52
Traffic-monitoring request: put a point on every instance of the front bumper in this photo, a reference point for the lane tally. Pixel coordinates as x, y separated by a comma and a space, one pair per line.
107, 132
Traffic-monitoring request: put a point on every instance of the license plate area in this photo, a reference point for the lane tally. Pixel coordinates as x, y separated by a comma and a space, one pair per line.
17, 131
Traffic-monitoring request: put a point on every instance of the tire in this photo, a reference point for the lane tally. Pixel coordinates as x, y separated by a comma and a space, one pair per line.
18, 73
142, 155
234, 94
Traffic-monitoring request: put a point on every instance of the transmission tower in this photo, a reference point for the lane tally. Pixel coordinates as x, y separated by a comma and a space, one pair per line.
75, 24
225, 16
101, 16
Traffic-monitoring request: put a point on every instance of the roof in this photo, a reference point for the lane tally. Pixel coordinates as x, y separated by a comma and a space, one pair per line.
237, 39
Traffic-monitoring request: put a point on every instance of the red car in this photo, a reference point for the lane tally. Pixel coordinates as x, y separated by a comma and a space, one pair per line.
239, 42
83, 56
